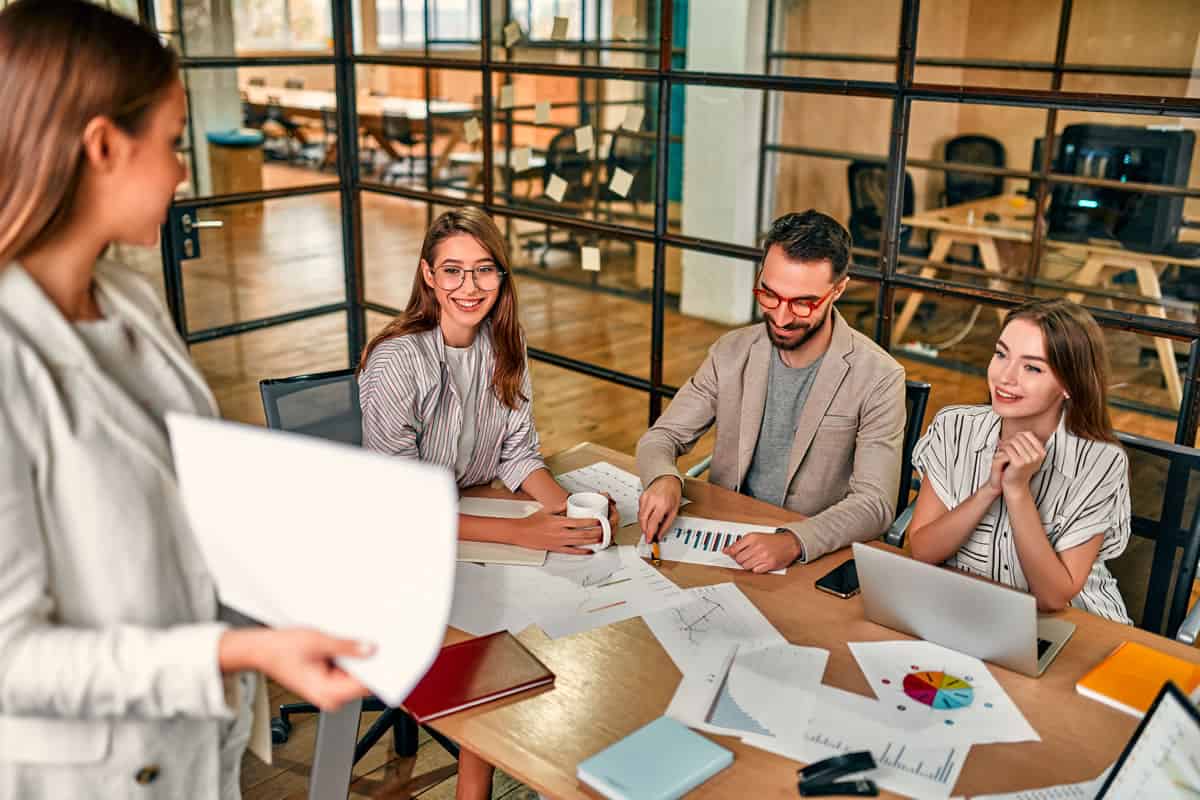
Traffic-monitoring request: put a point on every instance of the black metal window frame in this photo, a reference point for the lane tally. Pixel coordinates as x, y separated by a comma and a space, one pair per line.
902, 92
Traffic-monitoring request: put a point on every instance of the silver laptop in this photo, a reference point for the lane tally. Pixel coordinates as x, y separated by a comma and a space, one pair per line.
982, 619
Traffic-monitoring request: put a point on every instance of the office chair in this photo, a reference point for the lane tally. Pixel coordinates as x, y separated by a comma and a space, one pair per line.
1164, 486
400, 130
962, 187
868, 196
325, 405
576, 169
635, 156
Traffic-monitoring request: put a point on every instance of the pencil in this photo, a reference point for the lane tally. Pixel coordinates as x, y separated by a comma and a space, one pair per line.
656, 559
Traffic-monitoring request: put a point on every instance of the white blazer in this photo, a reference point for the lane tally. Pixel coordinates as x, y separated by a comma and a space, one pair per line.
109, 684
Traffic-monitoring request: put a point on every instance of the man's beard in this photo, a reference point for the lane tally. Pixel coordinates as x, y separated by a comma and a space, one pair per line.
788, 344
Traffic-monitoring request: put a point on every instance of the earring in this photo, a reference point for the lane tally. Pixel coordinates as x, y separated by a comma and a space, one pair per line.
1066, 396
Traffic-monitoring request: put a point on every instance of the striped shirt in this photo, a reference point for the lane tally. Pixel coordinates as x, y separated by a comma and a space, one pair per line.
1081, 490
411, 407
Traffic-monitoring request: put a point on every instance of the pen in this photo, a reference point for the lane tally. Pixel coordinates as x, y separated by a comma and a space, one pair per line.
656, 560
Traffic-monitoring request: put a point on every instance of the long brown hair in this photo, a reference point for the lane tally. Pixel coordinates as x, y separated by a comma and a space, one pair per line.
62, 64
1077, 356
423, 311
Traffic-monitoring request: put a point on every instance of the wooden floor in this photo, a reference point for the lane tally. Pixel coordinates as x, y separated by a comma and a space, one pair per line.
286, 255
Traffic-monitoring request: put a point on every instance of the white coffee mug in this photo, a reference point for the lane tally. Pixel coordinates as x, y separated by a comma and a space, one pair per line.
591, 505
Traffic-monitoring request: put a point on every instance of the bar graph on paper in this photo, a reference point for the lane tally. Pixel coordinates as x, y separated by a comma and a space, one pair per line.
694, 540
910, 769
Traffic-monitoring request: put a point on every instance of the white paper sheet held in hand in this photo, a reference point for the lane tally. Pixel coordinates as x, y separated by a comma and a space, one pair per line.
290, 528
694, 540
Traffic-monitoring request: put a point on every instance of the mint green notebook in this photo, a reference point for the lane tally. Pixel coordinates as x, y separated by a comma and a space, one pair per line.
662, 761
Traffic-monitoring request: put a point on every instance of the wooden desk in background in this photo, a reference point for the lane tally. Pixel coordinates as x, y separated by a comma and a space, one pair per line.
965, 224
613, 680
448, 116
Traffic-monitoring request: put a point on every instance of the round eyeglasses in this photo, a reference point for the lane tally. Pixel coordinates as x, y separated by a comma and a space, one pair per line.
800, 307
486, 279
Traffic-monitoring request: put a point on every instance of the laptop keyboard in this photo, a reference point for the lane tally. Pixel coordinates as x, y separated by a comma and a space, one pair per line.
1043, 646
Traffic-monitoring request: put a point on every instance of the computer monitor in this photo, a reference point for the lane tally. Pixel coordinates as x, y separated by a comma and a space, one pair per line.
1144, 222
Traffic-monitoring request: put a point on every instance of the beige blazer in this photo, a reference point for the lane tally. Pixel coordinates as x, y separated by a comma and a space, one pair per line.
844, 471
108, 618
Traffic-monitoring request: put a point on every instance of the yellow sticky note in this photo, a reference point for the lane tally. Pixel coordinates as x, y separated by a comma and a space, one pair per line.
512, 34
605, 147
625, 28
633, 118
556, 187
559, 32
621, 182
591, 258
521, 157
472, 130
541, 112
584, 141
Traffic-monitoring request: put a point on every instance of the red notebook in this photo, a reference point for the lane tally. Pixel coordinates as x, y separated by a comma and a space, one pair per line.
474, 672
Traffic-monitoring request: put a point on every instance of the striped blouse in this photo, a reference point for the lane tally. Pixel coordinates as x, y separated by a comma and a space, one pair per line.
411, 407
1081, 490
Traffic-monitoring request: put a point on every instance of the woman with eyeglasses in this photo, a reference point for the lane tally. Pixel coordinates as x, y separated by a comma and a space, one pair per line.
448, 382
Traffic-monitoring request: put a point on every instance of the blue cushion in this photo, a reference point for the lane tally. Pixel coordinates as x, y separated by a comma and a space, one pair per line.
240, 137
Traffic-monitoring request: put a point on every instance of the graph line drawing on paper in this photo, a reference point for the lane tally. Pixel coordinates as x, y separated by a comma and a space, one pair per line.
692, 623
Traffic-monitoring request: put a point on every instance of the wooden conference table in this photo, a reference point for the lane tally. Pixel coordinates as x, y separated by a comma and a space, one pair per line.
448, 116
613, 680
1011, 220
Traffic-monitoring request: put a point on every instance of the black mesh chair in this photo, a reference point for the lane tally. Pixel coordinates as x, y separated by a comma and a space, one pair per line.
325, 405
1157, 570
962, 187
916, 399
401, 131
868, 197
635, 156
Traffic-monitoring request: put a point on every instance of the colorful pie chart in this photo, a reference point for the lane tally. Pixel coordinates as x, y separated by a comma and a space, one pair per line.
938, 690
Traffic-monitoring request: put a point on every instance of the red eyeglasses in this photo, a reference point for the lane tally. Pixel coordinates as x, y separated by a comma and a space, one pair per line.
797, 305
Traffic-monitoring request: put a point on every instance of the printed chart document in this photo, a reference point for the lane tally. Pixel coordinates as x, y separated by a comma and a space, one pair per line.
940, 694
717, 613
624, 487
289, 527
694, 540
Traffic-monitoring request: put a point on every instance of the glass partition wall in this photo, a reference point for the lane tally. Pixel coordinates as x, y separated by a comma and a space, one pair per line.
633, 151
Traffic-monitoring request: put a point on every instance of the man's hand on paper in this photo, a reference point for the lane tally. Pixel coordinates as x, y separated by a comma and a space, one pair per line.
658, 506
764, 552
297, 658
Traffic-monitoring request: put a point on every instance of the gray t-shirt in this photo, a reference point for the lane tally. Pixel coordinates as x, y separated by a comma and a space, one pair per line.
787, 389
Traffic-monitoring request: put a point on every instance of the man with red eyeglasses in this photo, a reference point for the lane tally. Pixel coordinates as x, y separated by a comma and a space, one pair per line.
809, 412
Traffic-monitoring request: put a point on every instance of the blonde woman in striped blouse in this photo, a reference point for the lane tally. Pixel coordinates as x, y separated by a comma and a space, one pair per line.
1033, 490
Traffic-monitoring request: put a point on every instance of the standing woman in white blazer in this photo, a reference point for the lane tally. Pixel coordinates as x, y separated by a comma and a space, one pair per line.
116, 678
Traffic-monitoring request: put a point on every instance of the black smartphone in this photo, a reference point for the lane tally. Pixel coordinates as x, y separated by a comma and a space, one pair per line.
841, 581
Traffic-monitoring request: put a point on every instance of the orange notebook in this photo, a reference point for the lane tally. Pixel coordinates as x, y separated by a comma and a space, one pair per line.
474, 672
1132, 675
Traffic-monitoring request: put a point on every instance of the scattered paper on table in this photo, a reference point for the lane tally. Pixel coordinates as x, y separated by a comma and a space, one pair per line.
694, 540
634, 115
263, 506
508, 96
512, 34
541, 112
556, 188
625, 27
1084, 790
472, 130
621, 183
591, 258
939, 694
521, 157
559, 32
623, 487
497, 507
711, 613
584, 141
